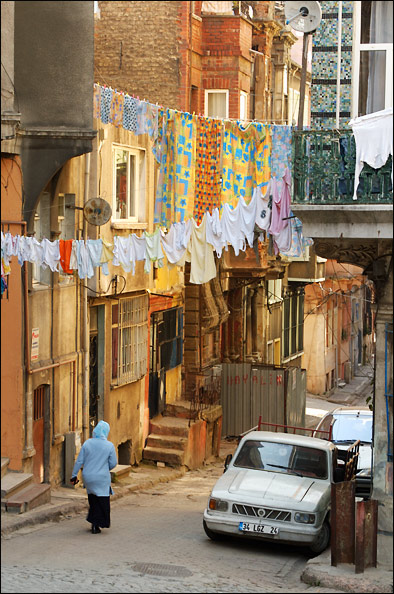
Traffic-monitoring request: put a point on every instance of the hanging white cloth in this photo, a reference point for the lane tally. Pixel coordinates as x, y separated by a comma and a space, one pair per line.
202, 260
373, 134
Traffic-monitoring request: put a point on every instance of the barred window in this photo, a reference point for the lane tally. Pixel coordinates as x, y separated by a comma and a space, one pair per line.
129, 339
293, 324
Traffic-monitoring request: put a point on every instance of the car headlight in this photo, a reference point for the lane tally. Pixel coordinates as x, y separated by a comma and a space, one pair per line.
217, 504
304, 518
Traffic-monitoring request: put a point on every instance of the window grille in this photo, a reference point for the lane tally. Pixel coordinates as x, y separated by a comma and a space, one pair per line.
129, 339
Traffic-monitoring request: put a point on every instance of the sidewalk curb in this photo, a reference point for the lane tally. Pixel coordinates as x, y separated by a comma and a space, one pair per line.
62, 510
374, 580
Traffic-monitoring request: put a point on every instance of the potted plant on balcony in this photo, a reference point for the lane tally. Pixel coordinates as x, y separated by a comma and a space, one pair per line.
236, 7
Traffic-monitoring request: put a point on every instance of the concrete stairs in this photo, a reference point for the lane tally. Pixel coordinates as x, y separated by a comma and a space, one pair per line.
119, 472
19, 493
168, 441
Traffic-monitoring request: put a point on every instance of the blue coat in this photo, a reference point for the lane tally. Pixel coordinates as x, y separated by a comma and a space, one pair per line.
97, 457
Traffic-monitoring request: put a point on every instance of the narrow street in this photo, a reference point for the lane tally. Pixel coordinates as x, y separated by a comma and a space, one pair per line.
156, 544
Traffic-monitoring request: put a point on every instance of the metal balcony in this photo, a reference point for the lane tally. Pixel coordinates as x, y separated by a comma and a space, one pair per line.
323, 171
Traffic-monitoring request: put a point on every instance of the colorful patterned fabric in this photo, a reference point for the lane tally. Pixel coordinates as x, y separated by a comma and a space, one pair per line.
175, 190
96, 101
263, 159
147, 119
207, 186
281, 150
130, 113
244, 159
116, 110
105, 104
299, 243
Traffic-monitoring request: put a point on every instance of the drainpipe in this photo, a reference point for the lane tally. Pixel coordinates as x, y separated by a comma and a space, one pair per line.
85, 323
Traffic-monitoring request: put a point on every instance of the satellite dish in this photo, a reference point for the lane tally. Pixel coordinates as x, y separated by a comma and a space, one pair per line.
97, 211
304, 16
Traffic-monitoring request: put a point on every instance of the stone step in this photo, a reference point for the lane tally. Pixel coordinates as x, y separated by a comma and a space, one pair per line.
170, 426
181, 409
174, 442
120, 471
4, 465
29, 498
13, 482
168, 456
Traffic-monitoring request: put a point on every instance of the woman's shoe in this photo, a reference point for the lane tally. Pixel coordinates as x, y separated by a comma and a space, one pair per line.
95, 529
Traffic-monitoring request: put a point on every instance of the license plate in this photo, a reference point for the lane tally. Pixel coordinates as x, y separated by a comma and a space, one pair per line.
257, 528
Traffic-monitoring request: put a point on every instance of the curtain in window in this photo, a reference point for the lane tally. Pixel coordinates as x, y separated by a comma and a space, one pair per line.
381, 32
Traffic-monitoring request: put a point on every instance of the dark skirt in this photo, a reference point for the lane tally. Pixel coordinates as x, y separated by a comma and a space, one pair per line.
99, 511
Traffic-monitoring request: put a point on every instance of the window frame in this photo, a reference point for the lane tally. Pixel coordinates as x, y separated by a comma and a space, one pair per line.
137, 152
137, 339
293, 332
217, 92
245, 96
358, 47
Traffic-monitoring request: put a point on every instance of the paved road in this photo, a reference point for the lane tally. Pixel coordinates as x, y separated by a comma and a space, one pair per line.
156, 544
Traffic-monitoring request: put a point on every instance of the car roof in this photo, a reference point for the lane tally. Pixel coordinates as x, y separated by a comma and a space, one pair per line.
351, 410
289, 438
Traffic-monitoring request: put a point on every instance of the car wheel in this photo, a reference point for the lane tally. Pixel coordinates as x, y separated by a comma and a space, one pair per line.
322, 540
212, 535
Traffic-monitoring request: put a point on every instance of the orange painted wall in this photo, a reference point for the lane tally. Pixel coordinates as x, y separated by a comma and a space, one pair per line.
12, 414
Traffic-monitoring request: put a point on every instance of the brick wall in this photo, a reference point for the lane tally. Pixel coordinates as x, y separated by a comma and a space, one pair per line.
138, 48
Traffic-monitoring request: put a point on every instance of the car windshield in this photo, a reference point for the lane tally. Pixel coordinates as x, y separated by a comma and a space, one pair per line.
352, 427
283, 458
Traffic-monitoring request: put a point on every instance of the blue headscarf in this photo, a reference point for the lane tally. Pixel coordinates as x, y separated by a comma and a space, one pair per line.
101, 430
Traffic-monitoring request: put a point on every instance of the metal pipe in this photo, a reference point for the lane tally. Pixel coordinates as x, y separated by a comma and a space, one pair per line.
85, 323
338, 103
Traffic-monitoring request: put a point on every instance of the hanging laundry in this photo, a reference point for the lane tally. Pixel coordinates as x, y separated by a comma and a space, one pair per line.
281, 154
116, 109
96, 101
280, 228
95, 248
201, 257
214, 233
105, 104
373, 134
174, 243
147, 119
65, 247
124, 253
130, 113
263, 206
175, 189
248, 218
153, 250
139, 246
207, 184
263, 158
84, 261
299, 243
51, 254
107, 253
244, 155
231, 223
73, 265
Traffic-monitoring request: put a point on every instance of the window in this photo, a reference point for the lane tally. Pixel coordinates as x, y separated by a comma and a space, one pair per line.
168, 346
216, 104
129, 339
129, 184
243, 106
274, 289
293, 324
372, 57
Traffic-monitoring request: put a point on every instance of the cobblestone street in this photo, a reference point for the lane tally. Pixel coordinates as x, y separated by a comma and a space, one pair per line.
156, 544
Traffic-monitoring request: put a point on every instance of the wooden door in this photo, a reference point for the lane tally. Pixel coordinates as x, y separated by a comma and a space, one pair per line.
38, 434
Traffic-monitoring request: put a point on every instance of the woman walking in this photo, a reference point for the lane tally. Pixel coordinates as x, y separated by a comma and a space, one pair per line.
97, 457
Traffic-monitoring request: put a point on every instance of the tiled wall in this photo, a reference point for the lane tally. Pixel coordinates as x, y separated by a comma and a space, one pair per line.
324, 66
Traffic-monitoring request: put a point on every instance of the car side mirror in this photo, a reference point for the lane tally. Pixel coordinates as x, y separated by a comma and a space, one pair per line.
227, 461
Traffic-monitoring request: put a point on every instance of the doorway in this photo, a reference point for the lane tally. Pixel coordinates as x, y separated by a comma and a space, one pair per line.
38, 433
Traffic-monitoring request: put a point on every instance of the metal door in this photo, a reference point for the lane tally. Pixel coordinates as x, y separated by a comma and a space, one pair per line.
93, 383
38, 433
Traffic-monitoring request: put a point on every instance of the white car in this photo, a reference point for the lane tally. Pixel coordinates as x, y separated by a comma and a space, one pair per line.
277, 486
349, 424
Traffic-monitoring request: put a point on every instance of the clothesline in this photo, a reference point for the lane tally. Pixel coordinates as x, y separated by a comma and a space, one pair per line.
184, 242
